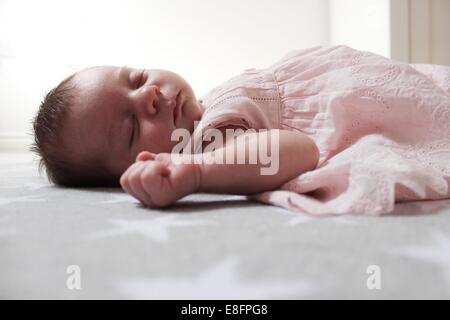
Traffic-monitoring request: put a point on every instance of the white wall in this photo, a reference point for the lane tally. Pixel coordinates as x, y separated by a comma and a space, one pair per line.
361, 24
204, 41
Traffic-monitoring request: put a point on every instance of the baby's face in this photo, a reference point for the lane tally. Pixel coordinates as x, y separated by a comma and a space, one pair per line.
120, 111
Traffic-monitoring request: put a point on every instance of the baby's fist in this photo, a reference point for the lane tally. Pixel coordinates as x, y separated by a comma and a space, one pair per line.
158, 181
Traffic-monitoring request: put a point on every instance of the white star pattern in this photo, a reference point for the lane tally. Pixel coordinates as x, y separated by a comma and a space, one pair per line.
32, 186
437, 253
156, 229
219, 282
20, 169
120, 198
338, 220
299, 218
9, 200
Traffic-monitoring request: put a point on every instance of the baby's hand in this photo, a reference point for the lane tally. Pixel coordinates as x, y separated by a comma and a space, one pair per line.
157, 181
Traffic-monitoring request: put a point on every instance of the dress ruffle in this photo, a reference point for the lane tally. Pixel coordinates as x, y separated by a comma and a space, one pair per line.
382, 127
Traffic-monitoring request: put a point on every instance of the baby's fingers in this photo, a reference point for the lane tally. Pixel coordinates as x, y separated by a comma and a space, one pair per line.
156, 169
145, 156
134, 184
145, 180
153, 177
125, 178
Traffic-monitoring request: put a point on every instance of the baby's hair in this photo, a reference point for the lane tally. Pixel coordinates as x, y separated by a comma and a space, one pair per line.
55, 157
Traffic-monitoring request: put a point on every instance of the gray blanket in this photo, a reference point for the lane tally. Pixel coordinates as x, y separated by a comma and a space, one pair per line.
72, 244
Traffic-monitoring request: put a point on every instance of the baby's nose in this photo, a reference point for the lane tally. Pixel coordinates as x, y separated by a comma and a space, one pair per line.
149, 97
153, 89
157, 91
172, 102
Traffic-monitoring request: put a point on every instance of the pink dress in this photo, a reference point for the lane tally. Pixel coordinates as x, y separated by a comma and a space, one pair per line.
382, 127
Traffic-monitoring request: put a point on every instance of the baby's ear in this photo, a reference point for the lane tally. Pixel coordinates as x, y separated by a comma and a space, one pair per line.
145, 156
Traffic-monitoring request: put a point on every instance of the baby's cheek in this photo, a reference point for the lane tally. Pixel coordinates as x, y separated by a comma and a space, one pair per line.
156, 143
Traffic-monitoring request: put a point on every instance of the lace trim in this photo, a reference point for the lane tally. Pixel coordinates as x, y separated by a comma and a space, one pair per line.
215, 105
277, 85
391, 74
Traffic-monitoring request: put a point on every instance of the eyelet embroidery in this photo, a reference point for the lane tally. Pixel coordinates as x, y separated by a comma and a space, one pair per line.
392, 73
427, 171
234, 97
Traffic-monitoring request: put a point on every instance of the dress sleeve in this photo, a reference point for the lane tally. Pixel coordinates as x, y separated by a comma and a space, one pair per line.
239, 111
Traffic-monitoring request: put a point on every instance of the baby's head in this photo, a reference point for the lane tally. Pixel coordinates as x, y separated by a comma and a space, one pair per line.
90, 128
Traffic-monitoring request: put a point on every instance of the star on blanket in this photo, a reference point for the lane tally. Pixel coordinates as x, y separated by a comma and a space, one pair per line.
33, 186
9, 200
18, 168
221, 281
156, 229
120, 198
437, 253
299, 218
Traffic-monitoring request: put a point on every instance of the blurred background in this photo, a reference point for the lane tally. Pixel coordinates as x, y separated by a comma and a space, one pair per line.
206, 42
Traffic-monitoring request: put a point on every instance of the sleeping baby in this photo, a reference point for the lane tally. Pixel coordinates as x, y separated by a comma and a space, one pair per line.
350, 132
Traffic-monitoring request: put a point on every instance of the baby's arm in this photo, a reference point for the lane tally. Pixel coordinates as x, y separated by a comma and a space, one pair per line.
296, 154
160, 180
